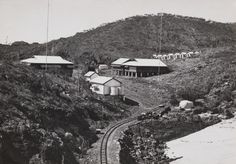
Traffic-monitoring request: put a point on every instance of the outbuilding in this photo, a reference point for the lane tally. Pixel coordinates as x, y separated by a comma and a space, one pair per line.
106, 86
90, 75
103, 67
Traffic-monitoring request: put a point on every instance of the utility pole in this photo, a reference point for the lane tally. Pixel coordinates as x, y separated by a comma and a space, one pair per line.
6, 41
160, 37
47, 35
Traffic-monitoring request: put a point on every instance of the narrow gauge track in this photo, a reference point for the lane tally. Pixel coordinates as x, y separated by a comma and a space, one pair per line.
105, 138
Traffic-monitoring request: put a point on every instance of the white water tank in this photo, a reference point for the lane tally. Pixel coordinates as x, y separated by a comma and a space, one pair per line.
114, 91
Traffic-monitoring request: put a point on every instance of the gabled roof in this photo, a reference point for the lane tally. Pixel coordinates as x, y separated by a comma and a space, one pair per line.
140, 62
37, 59
120, 61
146, 63
89, 73
102, 80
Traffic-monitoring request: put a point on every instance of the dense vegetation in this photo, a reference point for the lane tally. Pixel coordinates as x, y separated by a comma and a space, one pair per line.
46, 119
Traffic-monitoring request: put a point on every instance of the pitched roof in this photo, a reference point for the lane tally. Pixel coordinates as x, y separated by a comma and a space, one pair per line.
101, 80
145, 63
89, 73
139, 62
37, 59
120, 61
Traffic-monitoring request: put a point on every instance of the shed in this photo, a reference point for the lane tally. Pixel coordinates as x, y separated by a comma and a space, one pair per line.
90, 75
106, 86
102, 67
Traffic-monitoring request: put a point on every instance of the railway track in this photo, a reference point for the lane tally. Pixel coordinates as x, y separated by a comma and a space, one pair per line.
105, 138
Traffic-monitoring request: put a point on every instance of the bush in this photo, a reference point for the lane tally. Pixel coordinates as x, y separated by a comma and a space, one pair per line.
190, 93
173, 100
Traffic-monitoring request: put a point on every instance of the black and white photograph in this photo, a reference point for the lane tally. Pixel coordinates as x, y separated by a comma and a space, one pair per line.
118, 82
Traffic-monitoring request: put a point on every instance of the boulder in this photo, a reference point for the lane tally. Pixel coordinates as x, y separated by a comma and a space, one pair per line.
186, 104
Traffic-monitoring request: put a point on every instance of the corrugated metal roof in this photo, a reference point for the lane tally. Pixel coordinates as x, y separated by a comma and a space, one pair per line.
37, 59
120, 61
89, 73
101, 80
145, 63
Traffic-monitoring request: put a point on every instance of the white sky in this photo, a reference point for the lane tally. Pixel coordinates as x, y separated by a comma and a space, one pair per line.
26, 19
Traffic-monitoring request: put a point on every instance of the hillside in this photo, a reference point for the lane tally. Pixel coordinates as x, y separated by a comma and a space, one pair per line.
208, 80
210, 75
136, 36
44, 118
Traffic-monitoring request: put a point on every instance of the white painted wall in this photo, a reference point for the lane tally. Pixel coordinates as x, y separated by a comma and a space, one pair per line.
106, 89
101, 89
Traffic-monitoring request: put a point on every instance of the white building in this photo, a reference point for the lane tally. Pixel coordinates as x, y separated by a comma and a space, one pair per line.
103, 67
90, 75
106, 86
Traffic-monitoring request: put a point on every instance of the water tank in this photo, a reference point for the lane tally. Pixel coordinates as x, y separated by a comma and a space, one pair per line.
114, 91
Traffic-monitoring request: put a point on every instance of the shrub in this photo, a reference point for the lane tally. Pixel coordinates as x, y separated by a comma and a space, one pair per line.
173, 100
190, 93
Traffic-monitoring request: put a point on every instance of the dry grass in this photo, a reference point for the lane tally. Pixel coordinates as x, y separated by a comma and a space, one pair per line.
191, 79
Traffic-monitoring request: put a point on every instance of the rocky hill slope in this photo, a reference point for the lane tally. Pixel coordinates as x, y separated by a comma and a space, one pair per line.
44, 119
136, 36
208, 80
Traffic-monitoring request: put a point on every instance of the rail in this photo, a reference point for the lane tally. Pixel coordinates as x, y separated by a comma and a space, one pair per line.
105, 139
